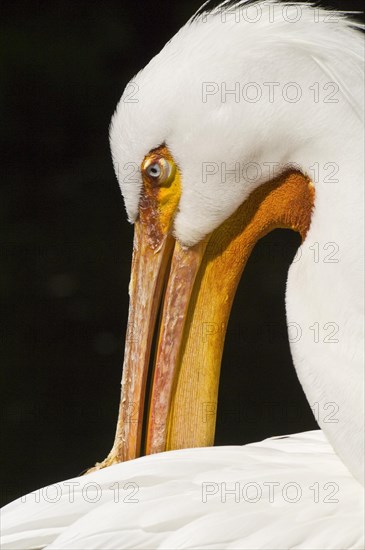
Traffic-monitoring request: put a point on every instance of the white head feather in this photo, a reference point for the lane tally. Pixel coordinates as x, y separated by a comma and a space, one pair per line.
164, 103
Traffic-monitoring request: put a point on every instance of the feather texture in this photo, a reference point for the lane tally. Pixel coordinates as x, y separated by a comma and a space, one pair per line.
290, 492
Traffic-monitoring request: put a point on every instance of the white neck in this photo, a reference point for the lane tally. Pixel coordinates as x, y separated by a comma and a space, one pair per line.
325, 290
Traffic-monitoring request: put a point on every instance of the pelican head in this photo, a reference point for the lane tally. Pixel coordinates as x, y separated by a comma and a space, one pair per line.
215, 143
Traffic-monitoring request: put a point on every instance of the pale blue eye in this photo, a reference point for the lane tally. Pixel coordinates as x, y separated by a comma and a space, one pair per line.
154, 170
159, 171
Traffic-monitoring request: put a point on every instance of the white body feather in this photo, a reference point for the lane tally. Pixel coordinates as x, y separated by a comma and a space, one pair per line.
280, 493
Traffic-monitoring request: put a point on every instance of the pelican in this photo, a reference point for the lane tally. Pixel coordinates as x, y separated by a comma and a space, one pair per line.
248, 120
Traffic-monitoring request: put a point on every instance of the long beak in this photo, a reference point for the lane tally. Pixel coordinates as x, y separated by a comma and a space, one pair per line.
195, 287
149, 269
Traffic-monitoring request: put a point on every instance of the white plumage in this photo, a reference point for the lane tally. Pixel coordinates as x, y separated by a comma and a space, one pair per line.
313, 502
313, 51
169, 105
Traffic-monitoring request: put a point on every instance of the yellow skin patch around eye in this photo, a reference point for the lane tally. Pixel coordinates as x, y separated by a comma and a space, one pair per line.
160, 194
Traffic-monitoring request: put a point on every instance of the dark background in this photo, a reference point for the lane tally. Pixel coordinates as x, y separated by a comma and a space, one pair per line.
66, 248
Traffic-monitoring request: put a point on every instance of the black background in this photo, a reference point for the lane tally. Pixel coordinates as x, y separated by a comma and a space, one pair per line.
66, 248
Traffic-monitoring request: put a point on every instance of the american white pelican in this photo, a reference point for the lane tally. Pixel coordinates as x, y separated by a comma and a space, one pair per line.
249, 119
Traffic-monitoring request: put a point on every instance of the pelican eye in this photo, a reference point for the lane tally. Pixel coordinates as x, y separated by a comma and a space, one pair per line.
159, 170
154, 170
